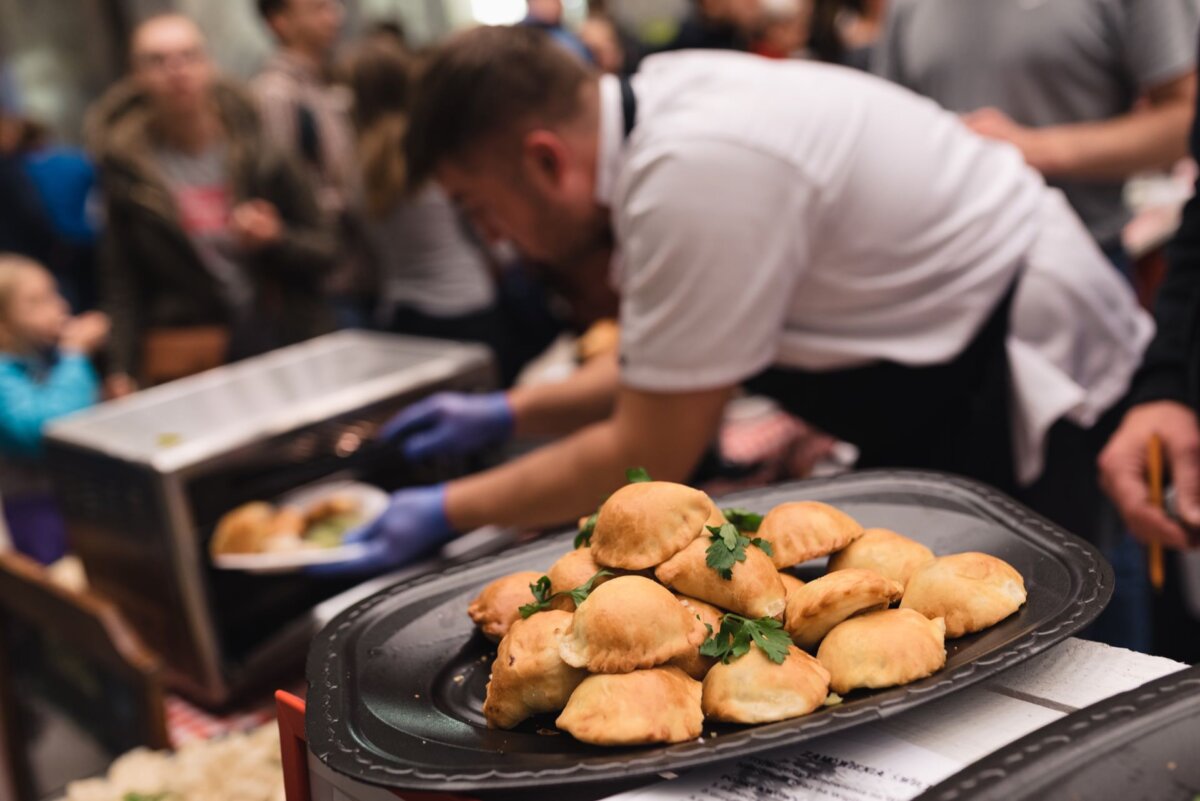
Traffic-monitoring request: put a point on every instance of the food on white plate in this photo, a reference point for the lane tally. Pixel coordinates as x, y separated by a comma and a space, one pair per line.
972, 591
887, 553
818, 606
804, 530
244, 530
658, 705
729, 570
883, 649
528, 676
328, 521
260, 527
755, 689
629, 623
646, 523
498, 605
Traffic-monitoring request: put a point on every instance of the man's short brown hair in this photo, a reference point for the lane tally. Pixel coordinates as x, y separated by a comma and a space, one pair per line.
484, 82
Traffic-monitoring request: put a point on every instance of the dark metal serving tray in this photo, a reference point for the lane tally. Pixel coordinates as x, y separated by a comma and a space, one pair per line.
396, 683
1143, 744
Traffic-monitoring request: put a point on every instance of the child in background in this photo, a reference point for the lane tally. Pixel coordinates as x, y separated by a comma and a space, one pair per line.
45, 373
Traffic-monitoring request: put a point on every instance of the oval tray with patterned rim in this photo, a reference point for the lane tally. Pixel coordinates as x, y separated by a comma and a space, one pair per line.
396, 683
1143, 744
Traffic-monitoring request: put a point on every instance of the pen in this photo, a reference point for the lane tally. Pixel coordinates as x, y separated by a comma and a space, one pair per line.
1154, 476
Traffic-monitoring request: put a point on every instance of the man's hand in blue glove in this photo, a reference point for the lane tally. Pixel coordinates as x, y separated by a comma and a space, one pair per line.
451, 424
413, 526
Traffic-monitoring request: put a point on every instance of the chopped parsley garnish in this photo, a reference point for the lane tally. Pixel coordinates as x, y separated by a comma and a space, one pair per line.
584, 537
729, 547
744, 519
637, 475
542, 597
737, 632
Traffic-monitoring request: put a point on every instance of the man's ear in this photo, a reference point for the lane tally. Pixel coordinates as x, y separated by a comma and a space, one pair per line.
545, 158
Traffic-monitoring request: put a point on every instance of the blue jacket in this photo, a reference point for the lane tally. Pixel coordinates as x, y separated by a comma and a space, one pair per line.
33, 394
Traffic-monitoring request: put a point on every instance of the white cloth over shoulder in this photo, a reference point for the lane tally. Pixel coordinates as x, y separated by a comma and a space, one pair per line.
1077, 334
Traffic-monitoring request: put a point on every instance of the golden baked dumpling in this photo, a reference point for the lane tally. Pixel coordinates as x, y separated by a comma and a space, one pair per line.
246, 529
883, 649
970, 590
629, 623
822, 603
499, 603
887, 553
804, 530
660, 705
716, 517
528, 676
753, 689
693, 663
790, 584
755, 589
572, 570
645, 524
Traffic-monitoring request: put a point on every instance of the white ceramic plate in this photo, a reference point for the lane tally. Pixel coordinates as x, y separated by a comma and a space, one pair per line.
372, 501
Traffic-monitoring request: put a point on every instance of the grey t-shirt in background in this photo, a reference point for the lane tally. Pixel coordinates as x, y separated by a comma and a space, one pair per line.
1043, 62
427, 261
200, 184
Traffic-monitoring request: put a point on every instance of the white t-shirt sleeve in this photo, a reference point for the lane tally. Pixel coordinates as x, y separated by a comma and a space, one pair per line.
713, 239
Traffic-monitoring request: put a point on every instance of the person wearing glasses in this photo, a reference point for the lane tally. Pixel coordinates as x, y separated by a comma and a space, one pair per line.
214, 239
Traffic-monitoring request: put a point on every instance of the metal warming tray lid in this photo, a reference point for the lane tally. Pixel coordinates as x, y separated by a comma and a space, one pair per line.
396, 683
192, 420
1143, 744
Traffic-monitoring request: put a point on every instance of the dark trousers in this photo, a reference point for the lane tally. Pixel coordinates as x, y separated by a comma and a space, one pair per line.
36, 527
955, 417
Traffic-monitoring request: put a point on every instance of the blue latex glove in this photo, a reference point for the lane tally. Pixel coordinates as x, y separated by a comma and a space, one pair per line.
413, 526
451, 424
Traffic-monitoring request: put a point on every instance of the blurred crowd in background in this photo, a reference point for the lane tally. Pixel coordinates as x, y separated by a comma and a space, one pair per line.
185, 184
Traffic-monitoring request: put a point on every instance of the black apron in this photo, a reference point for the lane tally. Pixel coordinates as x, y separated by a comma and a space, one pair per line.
953, 416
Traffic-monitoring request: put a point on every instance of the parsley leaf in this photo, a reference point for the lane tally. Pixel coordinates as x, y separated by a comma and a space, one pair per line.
542, 597
637, 475
580, 593
763, 545
584, 537
729, 547
744, 519
737, 633
145, 796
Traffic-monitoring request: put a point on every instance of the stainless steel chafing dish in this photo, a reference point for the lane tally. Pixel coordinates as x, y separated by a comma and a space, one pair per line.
144, 480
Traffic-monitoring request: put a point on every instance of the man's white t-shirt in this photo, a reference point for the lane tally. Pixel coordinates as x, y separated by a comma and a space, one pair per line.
813, 217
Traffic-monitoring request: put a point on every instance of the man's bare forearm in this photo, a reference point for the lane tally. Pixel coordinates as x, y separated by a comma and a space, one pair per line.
570, 477
551, 485
552, 410
1152, 138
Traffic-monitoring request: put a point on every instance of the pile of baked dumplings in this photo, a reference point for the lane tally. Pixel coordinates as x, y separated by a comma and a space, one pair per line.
672, 614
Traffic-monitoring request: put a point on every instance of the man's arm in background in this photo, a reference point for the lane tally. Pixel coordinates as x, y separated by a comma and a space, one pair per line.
664, 433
